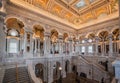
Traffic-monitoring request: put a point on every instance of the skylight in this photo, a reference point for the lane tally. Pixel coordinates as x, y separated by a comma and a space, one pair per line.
80, 4
92, 1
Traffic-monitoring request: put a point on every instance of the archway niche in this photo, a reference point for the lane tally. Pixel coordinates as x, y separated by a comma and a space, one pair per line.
54, 42
39, 71
14, 36
38, 39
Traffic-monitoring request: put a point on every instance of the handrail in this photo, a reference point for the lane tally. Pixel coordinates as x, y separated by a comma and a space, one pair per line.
89, 62
17, 73
32, 74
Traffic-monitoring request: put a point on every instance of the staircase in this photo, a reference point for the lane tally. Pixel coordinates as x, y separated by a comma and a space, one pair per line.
72, 78
17, 75
92, 70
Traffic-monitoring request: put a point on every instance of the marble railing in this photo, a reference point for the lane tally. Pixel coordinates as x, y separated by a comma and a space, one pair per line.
32, 74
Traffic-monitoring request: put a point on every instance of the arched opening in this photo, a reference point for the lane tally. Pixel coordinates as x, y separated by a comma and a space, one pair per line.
39, 71
103, 45
82, 74
14, 36
82, 46
115, 39
74, 68
67, 65
54, 42
56, 71
91, 39
38, 39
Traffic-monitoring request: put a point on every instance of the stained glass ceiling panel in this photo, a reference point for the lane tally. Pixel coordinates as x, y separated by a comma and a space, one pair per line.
92, 1
80, 4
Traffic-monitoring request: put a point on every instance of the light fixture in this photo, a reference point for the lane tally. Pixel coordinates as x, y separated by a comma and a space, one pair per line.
60, 68
13, 32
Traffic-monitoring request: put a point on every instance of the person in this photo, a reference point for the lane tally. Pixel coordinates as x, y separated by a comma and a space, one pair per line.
106, 65
102, 80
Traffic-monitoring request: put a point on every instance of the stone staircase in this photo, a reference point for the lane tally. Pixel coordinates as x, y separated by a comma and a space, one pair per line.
73, 78
17, 75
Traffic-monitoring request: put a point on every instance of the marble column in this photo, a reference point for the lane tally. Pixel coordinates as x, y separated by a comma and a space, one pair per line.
77, 46
2, 28
80, 47
46, 43
70, 46
63, 68
86, 46
60, 40
110, 45
31, 44
25, 41
35, 51
50, 71
102, 47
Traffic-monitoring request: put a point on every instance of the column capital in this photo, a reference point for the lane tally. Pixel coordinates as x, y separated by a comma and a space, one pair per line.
60, 37
110, 36
69, 39
46, 34
96, 38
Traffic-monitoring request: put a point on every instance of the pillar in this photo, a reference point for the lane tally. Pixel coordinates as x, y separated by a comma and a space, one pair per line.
25, 41
50, 72
70, 46
60, 40
110, 45
46, 43
63, 68
2, 29
96, 45
86, 47
77, 46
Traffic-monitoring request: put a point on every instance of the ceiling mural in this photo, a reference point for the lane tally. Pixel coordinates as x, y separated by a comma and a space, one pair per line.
77, 11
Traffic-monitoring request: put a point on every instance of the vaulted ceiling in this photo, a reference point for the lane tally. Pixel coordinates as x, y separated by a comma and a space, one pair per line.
77, 12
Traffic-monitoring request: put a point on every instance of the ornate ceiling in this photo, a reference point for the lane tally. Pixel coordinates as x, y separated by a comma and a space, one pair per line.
77, 12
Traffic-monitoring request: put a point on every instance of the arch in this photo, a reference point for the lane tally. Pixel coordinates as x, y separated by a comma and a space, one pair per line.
67, 64
65, 37
102, 31
116, 33
41, 25
39, 70
54, 35
90, 35
114, 29
56, 71
84, 75
14, 23
103, 35
14, 16
38, 32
